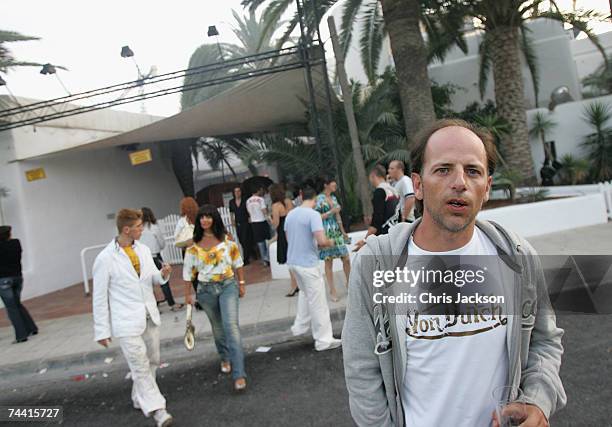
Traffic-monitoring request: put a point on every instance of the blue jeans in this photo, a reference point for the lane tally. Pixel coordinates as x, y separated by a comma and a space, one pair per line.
10, 292
220, 302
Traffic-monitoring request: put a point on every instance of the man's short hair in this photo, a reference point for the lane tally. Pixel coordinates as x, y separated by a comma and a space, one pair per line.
308, 193
127, 218
379, 170
417, 155
399, 163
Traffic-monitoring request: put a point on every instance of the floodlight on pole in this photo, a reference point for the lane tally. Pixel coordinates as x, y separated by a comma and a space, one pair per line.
213, 32
50, 69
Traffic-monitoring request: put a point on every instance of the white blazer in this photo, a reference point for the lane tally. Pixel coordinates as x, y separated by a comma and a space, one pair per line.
121, 299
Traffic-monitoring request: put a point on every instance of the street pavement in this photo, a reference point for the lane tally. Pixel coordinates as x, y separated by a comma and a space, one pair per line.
293, 385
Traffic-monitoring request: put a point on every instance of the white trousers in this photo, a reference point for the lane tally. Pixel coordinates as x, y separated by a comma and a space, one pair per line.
142, 355
312, 309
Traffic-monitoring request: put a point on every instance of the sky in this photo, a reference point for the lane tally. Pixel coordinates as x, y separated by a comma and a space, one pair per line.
87, 36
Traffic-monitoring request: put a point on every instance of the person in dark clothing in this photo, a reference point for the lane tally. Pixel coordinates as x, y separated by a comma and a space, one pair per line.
11, 284
238, 208
384, 204
281, 205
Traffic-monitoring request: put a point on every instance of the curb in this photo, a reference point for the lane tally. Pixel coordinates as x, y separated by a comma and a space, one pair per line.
171, 348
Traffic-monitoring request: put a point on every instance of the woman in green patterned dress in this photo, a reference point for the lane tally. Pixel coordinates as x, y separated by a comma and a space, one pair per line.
329, 208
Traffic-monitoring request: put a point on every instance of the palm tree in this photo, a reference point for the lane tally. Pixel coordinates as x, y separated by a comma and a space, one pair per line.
505, 34
7, 60
573, 171
381, 134
541, 126
599, 143
402, 20
254, 37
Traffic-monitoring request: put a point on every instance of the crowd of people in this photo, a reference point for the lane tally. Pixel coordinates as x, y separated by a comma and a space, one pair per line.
308, 229
411, 368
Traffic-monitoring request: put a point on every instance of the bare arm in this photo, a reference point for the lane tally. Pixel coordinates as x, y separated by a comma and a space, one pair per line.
408, 205
322, 240
275, 216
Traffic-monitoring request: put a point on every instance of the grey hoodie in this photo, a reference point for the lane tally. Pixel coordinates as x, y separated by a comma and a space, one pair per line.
375, 381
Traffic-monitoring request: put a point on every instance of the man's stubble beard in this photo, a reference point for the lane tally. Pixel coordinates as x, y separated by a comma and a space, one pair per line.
438, 218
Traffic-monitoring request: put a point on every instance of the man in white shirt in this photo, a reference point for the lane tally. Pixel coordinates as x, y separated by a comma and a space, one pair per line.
256, 205
403, 185
124, 307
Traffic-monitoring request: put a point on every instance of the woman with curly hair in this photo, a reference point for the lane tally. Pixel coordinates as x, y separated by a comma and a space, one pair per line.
214, 260
329, 208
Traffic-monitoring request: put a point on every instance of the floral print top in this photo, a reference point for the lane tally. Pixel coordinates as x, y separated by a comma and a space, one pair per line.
212, 265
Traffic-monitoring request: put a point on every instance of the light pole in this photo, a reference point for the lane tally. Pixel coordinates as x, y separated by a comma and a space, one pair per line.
213, 32
126, 52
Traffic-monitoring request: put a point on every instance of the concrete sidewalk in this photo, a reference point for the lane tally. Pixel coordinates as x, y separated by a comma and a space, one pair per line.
264, 310
70, 341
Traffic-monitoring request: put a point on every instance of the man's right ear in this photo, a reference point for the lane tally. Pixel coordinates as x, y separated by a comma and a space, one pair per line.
418, 185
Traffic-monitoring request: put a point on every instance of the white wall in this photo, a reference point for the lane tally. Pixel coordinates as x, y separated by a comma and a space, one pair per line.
586, 55
570, 130
58, 216
534, 219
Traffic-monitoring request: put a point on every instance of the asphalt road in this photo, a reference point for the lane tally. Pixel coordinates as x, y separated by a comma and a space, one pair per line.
292, 385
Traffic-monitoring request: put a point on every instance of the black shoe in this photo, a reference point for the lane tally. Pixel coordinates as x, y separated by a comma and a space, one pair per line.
293, 292
198, 306
34, 332
21, 340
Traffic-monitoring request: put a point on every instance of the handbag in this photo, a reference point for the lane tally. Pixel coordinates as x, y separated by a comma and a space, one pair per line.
185, 237
189, 339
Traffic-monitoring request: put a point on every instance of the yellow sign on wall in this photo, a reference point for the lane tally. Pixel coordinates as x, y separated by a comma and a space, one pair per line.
139, 157
35, 174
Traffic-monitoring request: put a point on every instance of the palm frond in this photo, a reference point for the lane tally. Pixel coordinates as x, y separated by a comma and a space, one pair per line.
272, 15
542, 124
371, 40
13, 36
349, 17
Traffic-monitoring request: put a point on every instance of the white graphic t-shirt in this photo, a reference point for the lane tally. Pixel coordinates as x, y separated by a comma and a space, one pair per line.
255, 205
405, 189
454, 362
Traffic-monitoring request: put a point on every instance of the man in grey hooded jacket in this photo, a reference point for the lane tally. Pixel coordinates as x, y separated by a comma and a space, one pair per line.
388, 366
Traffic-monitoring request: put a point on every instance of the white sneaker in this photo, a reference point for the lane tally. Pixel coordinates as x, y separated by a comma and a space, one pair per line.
298, 332
162, 418
334, 344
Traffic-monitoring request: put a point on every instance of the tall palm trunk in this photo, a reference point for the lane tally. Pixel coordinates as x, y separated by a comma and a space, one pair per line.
510, 99
410, 57
182, 165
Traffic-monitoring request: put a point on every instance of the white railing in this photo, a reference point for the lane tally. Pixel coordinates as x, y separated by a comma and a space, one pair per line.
605, 188
226, 216
84, 265
170, 254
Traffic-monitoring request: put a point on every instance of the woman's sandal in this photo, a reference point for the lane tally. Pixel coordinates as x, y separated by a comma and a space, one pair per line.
240, 385
226, 367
